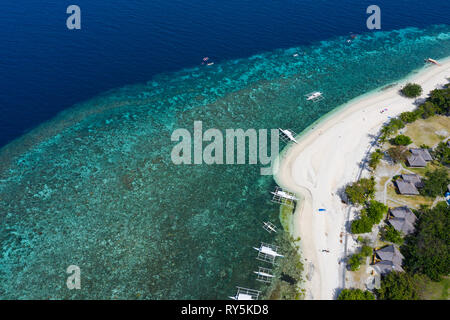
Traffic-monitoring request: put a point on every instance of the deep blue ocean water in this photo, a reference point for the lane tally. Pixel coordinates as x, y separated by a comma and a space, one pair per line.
45, 68
95, 186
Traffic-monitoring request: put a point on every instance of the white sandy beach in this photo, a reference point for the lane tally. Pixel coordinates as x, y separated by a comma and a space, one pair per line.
327, 157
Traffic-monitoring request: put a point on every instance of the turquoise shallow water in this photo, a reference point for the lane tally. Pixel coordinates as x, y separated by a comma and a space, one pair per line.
96, 187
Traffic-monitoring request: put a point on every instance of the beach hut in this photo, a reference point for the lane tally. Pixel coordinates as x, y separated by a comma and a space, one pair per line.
402, 219
406, 188
388, 259
416, 161
414, 179
424, 153
419, 157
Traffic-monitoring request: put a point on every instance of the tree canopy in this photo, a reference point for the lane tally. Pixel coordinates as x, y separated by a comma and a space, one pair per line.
390, 234
401, 140
399, 286
412, 90
427, 251
398, 153
355, 294
361, 190
442, 154
375, 211
375, 158
435, 182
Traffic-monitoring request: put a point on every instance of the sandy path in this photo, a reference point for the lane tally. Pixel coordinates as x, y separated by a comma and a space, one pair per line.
327, 157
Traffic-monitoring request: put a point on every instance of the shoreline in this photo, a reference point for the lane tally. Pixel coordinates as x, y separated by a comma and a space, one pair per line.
326, 158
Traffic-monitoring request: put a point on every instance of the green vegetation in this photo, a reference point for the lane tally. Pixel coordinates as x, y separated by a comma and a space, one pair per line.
390, 234
286, 216
355, 294
399, 286
427, 251
432, 290
361, 191
366, 251
435, 183
437, 103
364, 241
370, 216
376, 211
361, 225
398, 153
440, 98
375, 158
290, 266
409, 117
442, 154
355, 261
412, 90
391, 128
401, 140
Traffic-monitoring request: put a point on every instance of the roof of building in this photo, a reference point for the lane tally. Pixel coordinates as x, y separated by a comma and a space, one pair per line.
413, 178
391, 259
403, 213
424, 153
402, 225
383, 267
406, 187
416, 161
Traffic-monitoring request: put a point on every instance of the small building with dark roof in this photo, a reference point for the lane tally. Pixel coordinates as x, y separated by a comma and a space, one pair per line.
402, 213
416, 161
414, 179
406, 188
418, 157
402, 225
388, 259
424, 153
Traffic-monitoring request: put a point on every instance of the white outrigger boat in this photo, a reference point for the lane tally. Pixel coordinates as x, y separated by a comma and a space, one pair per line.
283, 194
288, 134
269, 227
314, 96
264, 275
267, 253
246, 294
283, 197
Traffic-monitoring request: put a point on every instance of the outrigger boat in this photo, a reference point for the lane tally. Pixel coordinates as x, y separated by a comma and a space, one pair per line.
432, 61
288, 134
314, 96
267, 252
283, 194
269, 227
246, 294
264, 275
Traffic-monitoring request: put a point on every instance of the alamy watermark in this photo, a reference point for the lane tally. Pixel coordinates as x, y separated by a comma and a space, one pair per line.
74, 280
74, 20
373, 21
229, 150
